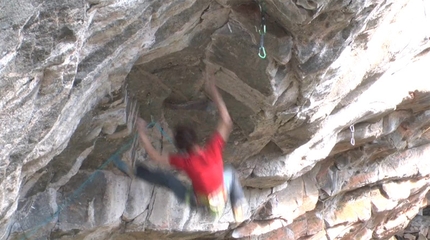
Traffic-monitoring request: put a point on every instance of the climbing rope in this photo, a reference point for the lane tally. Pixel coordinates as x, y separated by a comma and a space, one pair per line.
113, 158
163, 133
262, 31
132, 110
70, 199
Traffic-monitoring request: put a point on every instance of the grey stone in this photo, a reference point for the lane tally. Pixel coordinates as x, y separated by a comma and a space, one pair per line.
66, 67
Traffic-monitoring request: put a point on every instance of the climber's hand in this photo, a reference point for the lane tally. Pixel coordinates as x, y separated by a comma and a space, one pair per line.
225, 124
211, 69
146, 143
141, 124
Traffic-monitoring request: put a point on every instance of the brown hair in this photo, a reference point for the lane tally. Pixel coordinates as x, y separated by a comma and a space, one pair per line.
185, 137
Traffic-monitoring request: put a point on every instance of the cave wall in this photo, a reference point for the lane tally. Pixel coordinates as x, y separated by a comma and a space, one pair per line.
66, 68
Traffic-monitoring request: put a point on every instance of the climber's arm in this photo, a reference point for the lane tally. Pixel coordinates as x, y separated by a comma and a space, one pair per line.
225, 124
152, 152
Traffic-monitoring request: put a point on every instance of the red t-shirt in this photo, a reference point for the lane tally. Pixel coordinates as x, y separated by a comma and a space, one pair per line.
205, 168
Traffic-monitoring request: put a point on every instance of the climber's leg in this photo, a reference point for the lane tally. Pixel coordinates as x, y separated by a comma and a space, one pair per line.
235, 192
167, 180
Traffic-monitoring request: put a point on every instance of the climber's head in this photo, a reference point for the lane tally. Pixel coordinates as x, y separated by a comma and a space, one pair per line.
185, 138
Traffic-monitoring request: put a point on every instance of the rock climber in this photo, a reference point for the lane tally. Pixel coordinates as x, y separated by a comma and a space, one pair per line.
213, 183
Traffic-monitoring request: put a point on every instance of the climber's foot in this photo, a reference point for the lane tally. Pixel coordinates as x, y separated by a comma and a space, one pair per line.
238, 213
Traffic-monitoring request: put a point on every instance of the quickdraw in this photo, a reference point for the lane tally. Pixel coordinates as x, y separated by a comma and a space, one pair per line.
352, 134
262, 31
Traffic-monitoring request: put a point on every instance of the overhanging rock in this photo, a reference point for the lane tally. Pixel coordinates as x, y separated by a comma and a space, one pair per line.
330, 65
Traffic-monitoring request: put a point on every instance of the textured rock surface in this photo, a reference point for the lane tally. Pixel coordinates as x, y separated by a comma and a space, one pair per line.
64, 66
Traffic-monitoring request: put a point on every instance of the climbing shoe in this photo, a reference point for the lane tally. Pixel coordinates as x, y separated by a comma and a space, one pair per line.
238, 213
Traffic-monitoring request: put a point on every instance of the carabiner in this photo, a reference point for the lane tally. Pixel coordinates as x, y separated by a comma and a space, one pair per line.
262, 52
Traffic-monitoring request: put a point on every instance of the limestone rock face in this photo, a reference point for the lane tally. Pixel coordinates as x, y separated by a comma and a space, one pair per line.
331, 130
